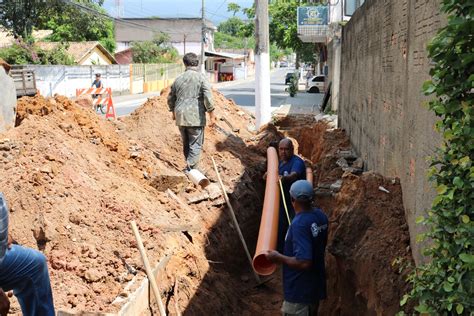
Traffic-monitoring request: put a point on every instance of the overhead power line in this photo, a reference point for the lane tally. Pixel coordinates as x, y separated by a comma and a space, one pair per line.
123, 21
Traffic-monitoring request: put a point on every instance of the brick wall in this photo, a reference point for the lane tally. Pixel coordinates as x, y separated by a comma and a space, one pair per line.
384, 64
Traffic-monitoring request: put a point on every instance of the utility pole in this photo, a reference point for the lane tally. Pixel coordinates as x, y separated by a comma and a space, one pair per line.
184, 44
262, 64
203, 36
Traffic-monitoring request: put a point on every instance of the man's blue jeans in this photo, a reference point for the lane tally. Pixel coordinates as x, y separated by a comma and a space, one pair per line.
25, 271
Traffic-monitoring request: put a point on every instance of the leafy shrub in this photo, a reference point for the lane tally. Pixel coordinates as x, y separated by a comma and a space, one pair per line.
445, 285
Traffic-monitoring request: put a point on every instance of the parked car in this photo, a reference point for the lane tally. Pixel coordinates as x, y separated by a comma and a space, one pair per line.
316, 84
283, 64
290, 76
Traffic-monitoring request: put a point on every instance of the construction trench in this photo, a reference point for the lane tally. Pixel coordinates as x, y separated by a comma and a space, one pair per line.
75, 181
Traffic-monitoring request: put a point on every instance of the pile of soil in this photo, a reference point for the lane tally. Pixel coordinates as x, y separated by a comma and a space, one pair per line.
74, 181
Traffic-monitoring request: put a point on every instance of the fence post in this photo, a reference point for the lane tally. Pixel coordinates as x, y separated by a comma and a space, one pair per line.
131, 78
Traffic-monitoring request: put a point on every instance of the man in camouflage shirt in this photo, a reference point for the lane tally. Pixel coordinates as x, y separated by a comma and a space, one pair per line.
189, 100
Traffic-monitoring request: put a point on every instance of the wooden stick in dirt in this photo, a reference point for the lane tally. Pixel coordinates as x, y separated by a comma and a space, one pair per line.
236, 224
175, 294
148, 269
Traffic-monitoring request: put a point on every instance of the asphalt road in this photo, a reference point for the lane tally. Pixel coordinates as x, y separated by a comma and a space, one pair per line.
126, 104
243, 94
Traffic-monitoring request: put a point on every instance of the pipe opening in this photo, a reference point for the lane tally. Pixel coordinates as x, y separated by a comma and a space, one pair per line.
262, 266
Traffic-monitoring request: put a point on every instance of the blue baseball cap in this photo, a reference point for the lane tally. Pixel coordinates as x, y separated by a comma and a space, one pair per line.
302, 190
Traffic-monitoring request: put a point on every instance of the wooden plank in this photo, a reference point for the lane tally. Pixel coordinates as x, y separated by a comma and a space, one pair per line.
139, 301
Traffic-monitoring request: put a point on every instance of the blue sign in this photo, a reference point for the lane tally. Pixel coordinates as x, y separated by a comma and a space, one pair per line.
313, 15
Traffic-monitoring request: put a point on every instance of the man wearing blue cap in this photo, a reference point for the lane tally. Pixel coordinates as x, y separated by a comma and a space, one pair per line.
24, 271
304, 277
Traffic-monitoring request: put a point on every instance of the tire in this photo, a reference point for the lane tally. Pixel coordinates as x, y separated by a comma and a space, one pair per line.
313, 90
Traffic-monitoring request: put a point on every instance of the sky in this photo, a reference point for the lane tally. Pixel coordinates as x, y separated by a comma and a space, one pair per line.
216, 10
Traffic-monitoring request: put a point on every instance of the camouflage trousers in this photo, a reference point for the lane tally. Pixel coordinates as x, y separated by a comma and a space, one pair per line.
193, 139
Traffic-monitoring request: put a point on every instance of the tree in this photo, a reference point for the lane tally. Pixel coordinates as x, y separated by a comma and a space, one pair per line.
233, 7
19, 17
24, 53
81, 20
84, 21
232, 26
226, 41
156, 51
284, 31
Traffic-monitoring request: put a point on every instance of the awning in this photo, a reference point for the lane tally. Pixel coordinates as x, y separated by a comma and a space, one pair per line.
224, 55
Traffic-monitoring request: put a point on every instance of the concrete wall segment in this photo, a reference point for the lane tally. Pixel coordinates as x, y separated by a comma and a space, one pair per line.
384, 64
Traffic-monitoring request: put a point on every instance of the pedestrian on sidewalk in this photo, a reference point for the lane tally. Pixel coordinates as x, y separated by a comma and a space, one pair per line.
24, 271
189, 100
304, 277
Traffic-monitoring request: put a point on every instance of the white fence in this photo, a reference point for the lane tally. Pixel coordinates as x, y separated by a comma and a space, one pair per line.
64, 80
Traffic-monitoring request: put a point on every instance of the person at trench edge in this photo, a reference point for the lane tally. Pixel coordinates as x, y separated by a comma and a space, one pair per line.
304, 276
189, 99
291, 168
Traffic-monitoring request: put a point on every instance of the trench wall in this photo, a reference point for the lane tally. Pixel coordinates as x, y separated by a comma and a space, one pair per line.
381, 106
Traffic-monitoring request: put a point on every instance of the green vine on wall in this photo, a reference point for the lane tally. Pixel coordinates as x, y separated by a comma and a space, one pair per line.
445, 285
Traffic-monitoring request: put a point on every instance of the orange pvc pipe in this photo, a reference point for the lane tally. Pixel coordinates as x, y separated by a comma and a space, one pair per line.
309, 175
267, 236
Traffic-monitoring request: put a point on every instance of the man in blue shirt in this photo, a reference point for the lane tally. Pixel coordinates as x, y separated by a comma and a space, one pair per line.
304, 277
24, 271
290, 168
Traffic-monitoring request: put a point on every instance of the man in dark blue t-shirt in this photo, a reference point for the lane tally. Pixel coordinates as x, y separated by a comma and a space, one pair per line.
304, 277
290, 168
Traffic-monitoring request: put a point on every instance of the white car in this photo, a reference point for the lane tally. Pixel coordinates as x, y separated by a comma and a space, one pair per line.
316, 84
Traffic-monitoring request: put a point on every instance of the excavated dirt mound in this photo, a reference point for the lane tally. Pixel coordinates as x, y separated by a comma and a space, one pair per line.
75, 181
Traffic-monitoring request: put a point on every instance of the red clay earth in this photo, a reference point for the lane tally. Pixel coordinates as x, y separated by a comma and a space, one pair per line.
74, 182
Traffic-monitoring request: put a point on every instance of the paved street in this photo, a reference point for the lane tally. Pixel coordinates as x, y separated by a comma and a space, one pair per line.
244, 93
125, 104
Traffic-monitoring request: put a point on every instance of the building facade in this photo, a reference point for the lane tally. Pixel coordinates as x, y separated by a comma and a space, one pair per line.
185, 33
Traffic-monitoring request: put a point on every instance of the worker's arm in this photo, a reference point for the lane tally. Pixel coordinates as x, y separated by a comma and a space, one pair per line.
172, 99
208, 101
297, 170
302, 257
292, 177
4, 303
292, 262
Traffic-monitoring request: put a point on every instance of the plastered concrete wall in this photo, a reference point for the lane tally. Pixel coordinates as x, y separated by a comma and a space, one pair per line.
384, 64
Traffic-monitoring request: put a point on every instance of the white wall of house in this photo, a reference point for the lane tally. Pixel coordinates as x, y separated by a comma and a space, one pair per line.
96, 57
191, 47
122, 46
